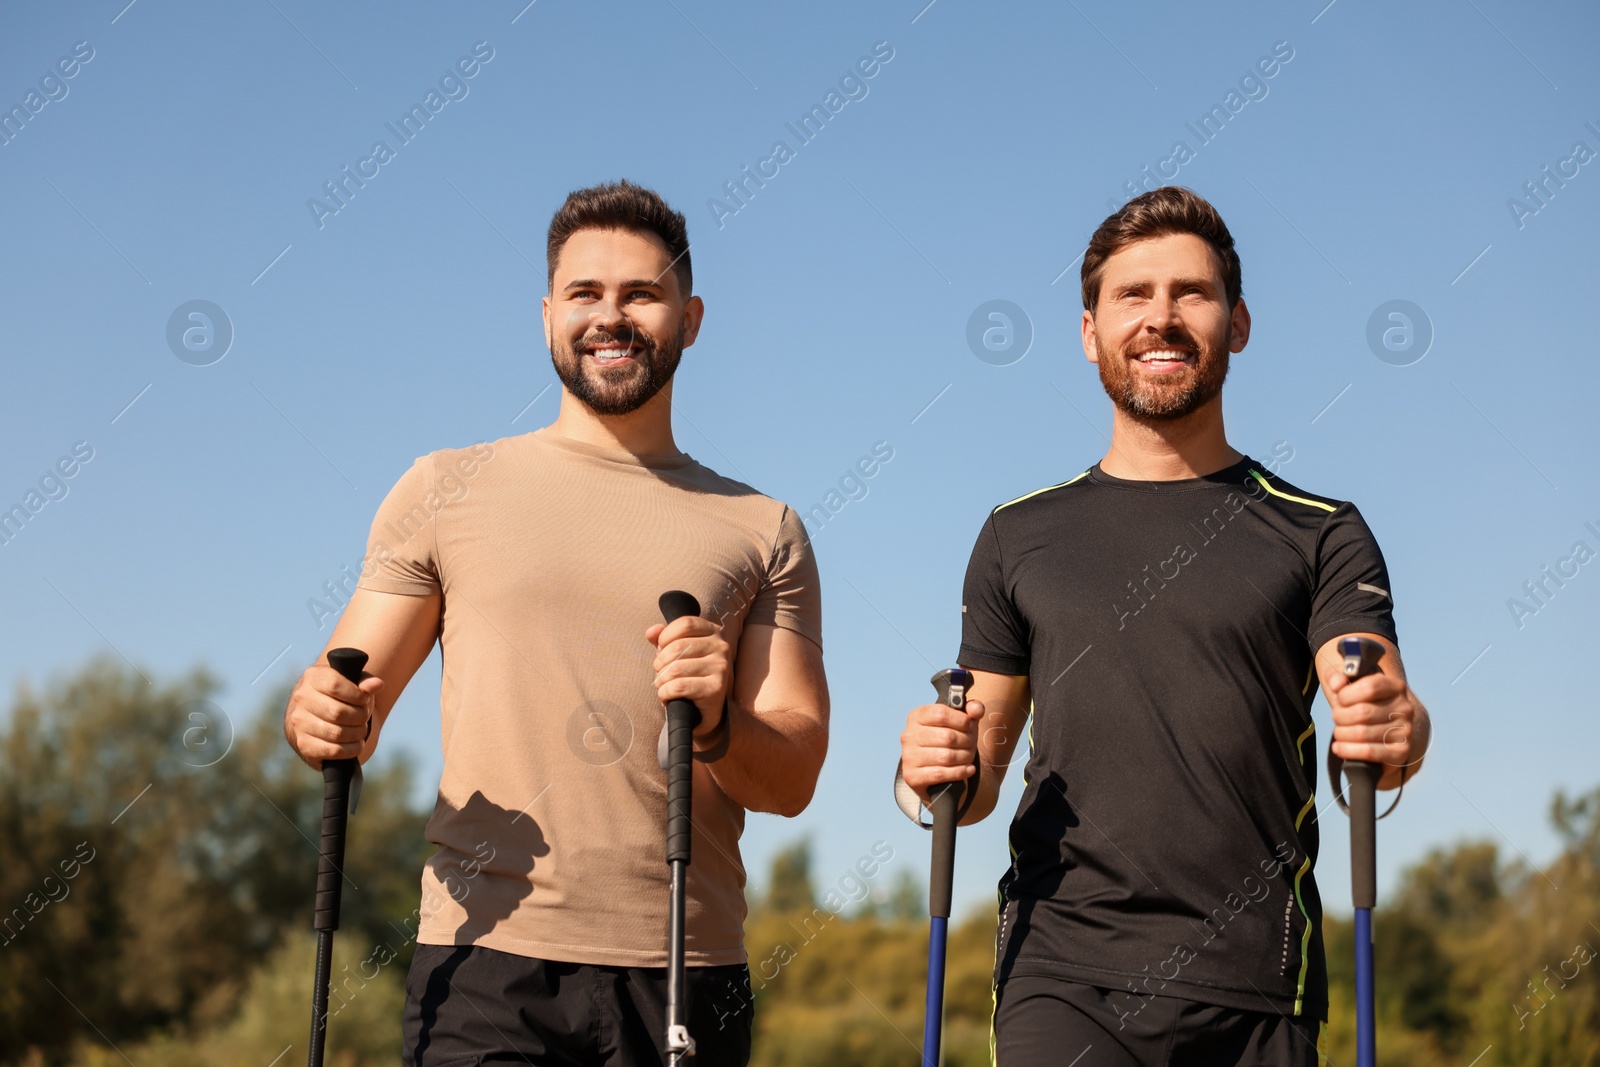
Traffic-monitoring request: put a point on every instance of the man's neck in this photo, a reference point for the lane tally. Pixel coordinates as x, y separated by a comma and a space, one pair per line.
1165, 450
645, 432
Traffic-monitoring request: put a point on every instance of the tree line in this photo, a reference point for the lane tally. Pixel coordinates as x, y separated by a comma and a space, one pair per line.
155, 899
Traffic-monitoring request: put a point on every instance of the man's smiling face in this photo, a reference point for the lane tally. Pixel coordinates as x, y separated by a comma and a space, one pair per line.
1161, 330
616, 319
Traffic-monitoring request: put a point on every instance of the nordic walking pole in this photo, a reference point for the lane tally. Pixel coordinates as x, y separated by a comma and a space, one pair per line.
1361, 657
952, 686
336, 803
682, 718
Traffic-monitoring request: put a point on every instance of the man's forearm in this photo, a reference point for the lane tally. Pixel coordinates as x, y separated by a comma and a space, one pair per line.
773, 760
988, 795
1007, 703
370, 746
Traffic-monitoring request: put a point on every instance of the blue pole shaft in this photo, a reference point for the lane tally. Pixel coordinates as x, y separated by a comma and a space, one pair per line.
934, 1017
1366, 1021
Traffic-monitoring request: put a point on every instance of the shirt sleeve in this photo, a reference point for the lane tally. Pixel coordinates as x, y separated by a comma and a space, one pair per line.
994, 635
402, 550
1352, 593
791, 595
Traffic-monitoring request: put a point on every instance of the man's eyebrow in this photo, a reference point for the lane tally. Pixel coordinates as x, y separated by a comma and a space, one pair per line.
1177, 283
591, 283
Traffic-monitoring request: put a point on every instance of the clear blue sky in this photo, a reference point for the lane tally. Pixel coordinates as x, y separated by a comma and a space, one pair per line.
1375, 164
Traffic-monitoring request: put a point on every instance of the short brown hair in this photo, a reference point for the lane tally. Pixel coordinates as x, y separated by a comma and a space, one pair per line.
621, 205
1170, 209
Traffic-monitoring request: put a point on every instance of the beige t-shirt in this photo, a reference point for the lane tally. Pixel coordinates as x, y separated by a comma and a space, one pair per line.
550, 556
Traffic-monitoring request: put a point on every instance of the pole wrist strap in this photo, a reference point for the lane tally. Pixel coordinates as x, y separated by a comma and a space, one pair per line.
907, 801
1336, 781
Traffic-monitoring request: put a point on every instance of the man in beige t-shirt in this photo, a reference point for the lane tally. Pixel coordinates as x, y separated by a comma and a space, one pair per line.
536, 563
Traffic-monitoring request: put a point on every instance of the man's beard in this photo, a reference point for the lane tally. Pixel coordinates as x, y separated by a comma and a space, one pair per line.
1170, 397
622, 389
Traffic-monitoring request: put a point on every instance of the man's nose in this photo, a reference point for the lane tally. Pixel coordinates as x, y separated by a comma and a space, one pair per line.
1161, 314
607, 312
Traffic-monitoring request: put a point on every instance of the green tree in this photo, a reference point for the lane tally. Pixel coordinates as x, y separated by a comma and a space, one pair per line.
273, 1016
1472, 954
789, 885
155, 855
907, 899
156, 894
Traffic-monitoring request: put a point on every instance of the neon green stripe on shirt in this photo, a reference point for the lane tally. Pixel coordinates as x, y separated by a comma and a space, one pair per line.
1046, 489
1287, 496
1305, 940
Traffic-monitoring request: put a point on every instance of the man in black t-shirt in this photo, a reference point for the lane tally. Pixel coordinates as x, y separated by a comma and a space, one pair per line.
1165, 616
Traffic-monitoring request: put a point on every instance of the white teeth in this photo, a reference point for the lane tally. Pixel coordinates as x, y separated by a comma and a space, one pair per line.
1161, 356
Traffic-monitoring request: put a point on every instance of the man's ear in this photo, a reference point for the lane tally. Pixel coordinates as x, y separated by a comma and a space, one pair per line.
544, 306
693, 312
1240, 323
1090, 349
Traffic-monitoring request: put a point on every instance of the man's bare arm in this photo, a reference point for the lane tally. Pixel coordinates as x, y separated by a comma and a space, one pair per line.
939, 742
1377, 718
327, 715
779, 722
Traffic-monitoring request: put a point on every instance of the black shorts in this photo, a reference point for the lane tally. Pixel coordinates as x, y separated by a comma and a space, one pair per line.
467, 1005
1041, 1020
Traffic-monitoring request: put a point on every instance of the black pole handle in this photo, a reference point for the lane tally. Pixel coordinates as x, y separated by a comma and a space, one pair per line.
951, 687
1361, 656
336, 775
682, 718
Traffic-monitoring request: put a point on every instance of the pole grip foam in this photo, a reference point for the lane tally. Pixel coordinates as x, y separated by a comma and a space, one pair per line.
336, 775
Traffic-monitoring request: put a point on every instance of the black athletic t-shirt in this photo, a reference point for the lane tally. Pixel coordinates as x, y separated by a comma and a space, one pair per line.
1166, 834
